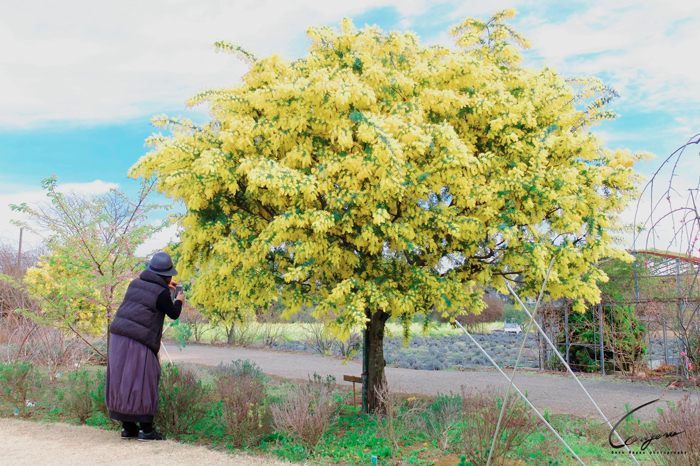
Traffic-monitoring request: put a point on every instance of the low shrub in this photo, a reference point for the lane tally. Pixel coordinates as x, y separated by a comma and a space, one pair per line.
240, 368
272, 334
307, 411
442, 418
682, 417
17, 382
196, 323
481, 411
100, 412
349, 347
181, 402
243, 412
398, 417
76, 400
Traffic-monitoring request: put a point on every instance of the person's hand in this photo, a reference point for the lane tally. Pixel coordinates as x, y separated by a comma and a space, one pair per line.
172, 284
181, 297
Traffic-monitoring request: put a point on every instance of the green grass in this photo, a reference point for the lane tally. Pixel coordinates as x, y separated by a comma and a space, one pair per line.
296, 331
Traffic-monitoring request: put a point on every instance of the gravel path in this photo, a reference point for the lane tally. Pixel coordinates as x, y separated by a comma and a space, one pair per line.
32, 443
560, 394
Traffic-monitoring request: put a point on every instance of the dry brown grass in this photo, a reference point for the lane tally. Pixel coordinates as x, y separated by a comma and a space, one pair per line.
244, 414
683, 417
306, 412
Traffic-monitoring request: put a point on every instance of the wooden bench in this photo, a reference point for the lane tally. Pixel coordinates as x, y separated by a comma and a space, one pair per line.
354, 379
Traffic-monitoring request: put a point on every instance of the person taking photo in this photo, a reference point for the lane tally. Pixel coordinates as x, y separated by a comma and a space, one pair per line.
133, 368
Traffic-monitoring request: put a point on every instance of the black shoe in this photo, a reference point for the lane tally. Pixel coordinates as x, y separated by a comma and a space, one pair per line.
127, 435
152, 435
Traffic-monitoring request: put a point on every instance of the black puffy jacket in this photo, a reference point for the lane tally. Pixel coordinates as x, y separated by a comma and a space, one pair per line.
146, 303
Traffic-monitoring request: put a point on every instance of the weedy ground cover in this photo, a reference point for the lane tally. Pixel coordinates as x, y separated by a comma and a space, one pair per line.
236, 407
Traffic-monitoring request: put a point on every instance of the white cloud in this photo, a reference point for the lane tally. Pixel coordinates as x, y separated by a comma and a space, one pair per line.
10, 233
91, 61
158, 241
647, 47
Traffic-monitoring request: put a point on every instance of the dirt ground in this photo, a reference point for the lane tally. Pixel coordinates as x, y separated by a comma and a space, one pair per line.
36, 444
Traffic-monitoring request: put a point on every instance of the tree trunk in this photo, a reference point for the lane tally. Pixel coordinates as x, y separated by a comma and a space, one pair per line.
230, 334
373, 378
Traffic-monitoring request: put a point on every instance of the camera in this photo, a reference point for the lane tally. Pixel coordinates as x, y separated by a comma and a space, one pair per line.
175, 292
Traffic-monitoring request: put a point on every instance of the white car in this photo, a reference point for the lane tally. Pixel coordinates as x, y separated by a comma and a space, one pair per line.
511, 327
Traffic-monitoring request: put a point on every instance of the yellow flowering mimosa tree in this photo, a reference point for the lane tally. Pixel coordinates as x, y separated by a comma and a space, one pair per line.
376, 178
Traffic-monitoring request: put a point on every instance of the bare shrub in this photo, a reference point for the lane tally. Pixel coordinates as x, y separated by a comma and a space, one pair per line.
350, 347
196, 323
12, 269
398, 417
272, 333
181, 400
24, 339
318, 337
442, 418
53, 349
307, 412
243, 413
243, 333
683, 417
481, 411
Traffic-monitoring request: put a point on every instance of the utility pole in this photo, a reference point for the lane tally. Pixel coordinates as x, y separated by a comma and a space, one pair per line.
19, 262
19, 254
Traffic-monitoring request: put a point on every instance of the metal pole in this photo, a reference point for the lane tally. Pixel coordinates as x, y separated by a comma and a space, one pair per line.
566, 329
649, 340
636, 276
595, 338
663, 320
602, 344
681, 342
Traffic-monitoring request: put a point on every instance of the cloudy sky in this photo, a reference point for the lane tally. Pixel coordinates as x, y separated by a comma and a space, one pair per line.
80, 80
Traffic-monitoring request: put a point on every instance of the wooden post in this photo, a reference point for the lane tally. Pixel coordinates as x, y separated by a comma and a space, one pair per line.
354, 379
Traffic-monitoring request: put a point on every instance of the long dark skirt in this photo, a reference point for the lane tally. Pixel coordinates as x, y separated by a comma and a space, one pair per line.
133, 372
